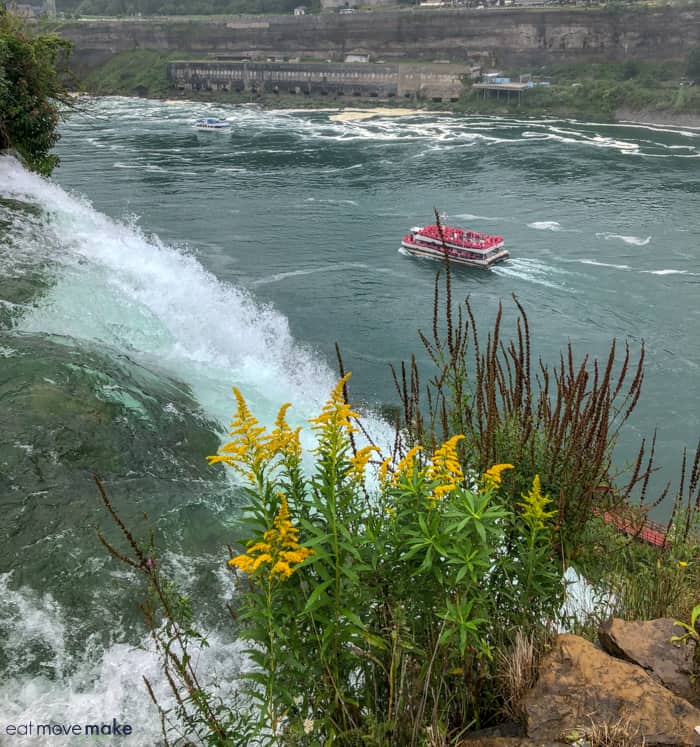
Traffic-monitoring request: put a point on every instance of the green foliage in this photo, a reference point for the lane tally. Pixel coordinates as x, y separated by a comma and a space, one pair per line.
691, 631
597, 90
30, 91
391, 606
560, 424
129, 72
693, 68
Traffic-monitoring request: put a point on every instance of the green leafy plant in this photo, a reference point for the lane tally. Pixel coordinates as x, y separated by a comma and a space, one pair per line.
31, 91
692, 633
381, 588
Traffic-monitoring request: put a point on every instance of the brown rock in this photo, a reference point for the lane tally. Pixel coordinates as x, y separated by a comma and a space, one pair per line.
580, 684
648, 645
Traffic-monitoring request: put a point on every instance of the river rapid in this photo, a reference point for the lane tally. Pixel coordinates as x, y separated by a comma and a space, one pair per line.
160, 266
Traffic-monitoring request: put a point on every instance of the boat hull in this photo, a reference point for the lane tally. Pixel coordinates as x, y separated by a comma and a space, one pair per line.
211, 124
210, 128
457, 256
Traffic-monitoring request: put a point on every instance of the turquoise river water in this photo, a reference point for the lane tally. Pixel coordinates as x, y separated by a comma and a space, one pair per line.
160, 266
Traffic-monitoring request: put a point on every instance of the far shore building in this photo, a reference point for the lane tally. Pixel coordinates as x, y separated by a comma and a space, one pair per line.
357, 55
338, 5
300, 10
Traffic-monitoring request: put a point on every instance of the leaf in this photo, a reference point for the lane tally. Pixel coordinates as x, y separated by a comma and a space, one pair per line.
354, 619
694, 616
315, 598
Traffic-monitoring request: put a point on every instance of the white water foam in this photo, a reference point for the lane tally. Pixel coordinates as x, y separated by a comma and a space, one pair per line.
635, 240
120, 288
310, 271
98, 685
546, 225
529, 270
668, 272
603, 264
469, 216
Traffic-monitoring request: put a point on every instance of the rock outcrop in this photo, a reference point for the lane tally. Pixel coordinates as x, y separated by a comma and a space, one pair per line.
648, 644
580, 685
507, 37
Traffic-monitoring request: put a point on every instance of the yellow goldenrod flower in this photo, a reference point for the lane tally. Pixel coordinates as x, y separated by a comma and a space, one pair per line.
247, 452
445, 468
283, 441
491, 479
282, 569
243, 562
407, 464
359, 462
383, 469
534, 506
336, 413
280, 548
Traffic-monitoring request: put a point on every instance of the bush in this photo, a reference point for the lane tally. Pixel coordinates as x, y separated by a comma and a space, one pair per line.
394, 594
693, 68
30, 92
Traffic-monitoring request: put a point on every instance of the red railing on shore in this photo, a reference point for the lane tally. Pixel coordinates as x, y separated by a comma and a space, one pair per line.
650, 532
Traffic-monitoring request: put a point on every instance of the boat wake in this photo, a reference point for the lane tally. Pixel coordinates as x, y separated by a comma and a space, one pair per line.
531, 271
603, 264
635, 240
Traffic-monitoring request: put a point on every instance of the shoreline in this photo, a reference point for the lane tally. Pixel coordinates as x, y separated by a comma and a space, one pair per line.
366, 109
661, 118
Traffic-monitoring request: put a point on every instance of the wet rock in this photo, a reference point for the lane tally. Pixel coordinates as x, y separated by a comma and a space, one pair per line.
647, 643
579, 685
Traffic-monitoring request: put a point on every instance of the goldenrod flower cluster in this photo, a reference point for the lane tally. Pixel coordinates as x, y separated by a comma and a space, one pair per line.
279, 550
384, 469
283, 439
445, 468
491, 479
252, 448
534, 506
405, 466
336, 415
359, 462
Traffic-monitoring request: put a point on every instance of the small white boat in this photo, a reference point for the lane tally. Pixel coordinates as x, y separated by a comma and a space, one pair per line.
212, 124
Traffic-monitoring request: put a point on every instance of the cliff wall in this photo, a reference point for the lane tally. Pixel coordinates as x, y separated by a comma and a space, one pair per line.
496, 36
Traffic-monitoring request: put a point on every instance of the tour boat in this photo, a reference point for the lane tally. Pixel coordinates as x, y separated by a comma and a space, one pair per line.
212, 124
462, 246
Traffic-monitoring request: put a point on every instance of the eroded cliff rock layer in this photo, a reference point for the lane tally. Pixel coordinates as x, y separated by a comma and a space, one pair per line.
496, 36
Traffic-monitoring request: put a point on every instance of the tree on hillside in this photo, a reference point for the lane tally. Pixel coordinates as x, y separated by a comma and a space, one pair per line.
30, 91
693, 69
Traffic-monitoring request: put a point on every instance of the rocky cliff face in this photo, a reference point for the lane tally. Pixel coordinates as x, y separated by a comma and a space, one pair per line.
497, 36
